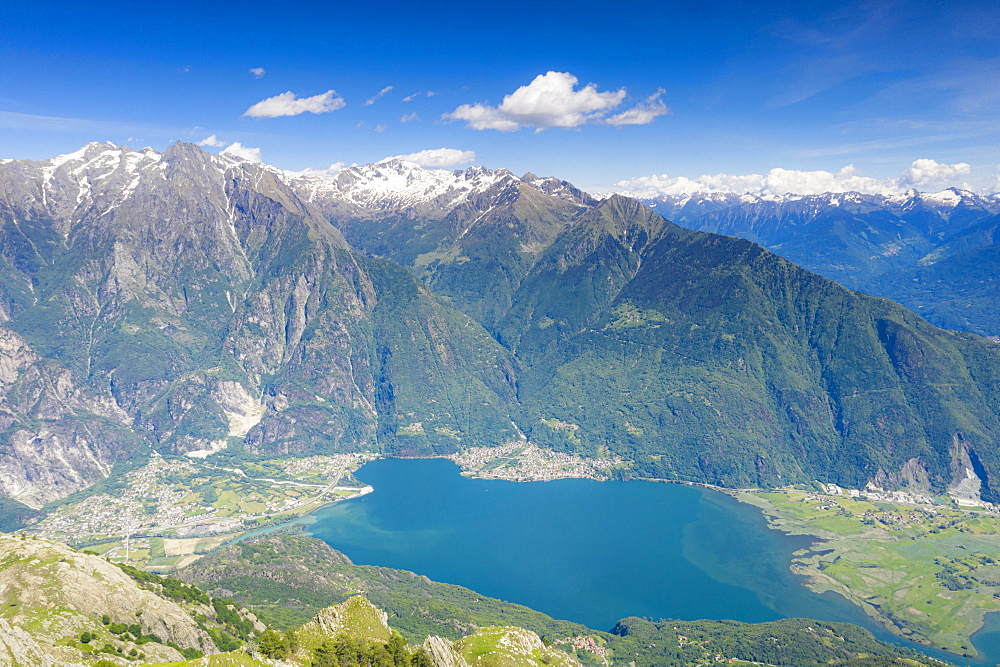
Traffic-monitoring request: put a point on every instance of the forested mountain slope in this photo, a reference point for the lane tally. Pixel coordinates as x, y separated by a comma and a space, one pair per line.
706, 357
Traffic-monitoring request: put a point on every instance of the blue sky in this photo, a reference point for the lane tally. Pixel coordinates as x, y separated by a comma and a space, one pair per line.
680, 90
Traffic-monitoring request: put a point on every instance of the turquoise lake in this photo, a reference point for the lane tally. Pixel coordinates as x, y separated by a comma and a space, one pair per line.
586, 551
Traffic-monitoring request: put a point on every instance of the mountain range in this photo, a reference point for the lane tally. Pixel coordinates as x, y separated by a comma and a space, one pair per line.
194, 303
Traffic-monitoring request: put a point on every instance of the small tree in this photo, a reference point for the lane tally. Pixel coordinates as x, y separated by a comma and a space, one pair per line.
273, 645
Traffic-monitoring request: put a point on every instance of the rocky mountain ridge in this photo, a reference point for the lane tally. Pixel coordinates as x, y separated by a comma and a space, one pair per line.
945, 202
167, 287
52, 594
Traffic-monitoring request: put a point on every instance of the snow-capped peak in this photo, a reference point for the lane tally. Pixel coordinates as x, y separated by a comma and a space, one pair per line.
397, 184
69, 181
103, 175
950, 197
946, 199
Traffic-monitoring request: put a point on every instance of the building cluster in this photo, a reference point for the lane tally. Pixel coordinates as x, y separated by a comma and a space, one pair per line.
325, 467
146, 503
875, 494
160, 498
524, 462
587, 643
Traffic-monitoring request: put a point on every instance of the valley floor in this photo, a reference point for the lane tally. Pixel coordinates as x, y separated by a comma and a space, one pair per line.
167, 513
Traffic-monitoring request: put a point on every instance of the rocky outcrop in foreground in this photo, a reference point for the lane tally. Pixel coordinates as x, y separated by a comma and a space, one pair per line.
494, 646
51, 595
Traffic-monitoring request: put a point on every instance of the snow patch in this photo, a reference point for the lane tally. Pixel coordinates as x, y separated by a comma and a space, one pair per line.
398, 184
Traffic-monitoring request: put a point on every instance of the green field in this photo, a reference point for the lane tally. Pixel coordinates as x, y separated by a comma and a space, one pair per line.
926, 572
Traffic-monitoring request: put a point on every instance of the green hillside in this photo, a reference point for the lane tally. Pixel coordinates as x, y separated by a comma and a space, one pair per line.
287, 580
721, 362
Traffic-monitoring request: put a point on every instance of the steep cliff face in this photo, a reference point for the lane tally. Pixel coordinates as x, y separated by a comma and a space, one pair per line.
19, 649
57, 436
510, 647
443, 652
356, 617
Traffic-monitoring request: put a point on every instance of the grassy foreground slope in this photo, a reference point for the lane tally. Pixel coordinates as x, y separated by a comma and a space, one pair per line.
60, 606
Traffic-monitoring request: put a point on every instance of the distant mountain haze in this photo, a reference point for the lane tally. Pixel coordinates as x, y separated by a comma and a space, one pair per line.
936, 253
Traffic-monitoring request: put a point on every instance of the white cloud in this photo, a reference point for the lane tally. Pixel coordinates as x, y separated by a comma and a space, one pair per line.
327, 173
258, 72
286, 104
778, 181
643, 113
480, 117
236, 149
438, 157
371, 100
381, 127
422, 93
548, 101
406, 118
926, 172
212, 141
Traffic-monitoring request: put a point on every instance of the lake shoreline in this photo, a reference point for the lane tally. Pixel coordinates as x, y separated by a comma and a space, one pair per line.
807, 577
